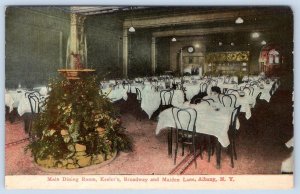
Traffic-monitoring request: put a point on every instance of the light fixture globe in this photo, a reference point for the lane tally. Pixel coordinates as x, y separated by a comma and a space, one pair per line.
173, 39
239, 20
255, 35
131, 29
263, 42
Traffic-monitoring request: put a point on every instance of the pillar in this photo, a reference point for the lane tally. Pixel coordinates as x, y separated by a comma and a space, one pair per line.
125, 53
153, 55
77, 44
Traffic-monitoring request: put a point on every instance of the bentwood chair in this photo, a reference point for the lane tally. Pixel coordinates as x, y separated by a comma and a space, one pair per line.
203, 88
232, 134
139, 100
272, 91
248, 89
127, 87
229, 100
35, 105
166, 97
208, 100
185, 132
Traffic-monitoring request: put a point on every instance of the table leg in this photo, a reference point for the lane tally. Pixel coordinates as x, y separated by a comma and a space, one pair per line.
170, 139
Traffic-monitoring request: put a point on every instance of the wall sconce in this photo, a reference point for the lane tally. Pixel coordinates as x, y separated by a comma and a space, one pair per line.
244, 64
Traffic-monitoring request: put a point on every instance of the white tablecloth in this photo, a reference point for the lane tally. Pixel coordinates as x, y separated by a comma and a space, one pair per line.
191, 90
16, 95
115, 94
136, 85
9, 101
21, 102
151, 100
208, 121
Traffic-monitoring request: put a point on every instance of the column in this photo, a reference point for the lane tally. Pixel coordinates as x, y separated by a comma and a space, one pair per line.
153, 55
125, 52
77, 34
73, 39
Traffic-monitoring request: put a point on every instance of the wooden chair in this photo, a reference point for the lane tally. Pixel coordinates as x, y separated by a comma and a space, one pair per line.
185, 132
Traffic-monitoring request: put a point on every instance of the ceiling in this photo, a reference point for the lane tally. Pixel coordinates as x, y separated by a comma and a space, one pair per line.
96, 10
215, 22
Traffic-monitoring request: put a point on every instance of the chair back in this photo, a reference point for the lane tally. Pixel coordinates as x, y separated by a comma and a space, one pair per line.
214, 82
127, 87
34, 103
27, 93
272, 91
234, 116
232, 91
208, 100
226, 100
249, 90
138, 94
185, 119
220, 96
166, 97
203, 87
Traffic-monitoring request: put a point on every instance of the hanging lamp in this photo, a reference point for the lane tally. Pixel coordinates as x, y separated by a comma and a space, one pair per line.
173, 39
131, 29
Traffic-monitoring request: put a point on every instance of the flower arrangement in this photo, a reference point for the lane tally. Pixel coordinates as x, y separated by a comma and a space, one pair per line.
78, 127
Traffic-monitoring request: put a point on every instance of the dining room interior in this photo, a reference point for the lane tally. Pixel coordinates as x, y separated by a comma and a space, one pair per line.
164, 90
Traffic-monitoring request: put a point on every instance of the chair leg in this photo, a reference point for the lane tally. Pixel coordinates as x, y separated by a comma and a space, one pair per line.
176, 148
194, 150
182, 145
218, 154
26, 118
200, 147
209, 148
231, 154
234, 149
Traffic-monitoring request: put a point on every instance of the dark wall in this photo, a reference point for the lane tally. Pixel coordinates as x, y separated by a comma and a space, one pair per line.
36, 39
104, 45
139, 53
162, 55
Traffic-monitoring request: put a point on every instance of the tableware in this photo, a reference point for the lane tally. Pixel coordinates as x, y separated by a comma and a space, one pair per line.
241, 93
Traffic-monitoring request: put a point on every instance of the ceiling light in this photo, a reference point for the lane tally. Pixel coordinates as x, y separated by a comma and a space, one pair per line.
232, 44
239, 20
174, 39
131, 29
263, 42
255, 35
220, 43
